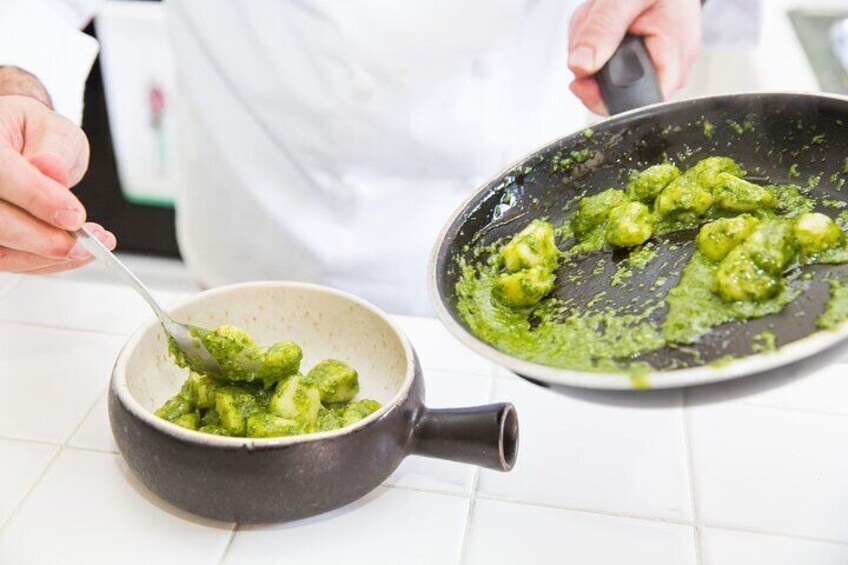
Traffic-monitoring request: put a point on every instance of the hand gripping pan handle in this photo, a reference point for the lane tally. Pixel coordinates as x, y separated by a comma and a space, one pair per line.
629, 79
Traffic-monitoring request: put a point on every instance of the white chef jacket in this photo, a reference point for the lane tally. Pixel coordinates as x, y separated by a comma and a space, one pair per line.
329, 140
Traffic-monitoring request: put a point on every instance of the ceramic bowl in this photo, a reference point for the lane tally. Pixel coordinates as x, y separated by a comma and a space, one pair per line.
279, 479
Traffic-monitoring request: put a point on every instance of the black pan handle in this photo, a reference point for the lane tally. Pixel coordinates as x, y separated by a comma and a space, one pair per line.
629, 79
481, 435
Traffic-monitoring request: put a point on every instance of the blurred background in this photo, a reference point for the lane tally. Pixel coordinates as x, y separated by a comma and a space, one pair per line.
767, 45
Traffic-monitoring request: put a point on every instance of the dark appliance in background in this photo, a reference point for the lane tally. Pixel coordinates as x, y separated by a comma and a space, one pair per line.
148, 230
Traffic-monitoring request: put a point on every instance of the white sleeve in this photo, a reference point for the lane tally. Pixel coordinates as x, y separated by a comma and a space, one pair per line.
36, 38
732, 23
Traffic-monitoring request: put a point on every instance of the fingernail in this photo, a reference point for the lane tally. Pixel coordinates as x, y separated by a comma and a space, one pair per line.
69, 218
78, 252
582, 57
105, 237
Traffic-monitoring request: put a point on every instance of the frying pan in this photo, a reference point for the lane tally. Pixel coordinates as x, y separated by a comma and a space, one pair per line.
777, 137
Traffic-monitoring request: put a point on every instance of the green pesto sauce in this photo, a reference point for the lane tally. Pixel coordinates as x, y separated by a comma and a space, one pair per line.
764, 342
747, 125
836, 310
240, 359
563, 163
600, 337
693, 307
722, 361
261, 392
559, 335
638, 259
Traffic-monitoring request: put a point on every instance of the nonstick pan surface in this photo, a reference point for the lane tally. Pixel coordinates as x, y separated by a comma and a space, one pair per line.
777, 137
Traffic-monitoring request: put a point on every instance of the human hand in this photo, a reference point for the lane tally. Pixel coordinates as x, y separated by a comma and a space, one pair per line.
672, 32
42, 155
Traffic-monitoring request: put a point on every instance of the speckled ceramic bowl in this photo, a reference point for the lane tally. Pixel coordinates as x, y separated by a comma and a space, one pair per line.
280, 479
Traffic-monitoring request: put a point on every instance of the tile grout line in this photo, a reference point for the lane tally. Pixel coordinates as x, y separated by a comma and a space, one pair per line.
755, 531
472, 502
4, 321
92, 450
596, 512
226, 552
59, 444
756, 404
33, 441
690, 471
475, 482
61, 449
88, 413
31, 489
609, 514
426, 490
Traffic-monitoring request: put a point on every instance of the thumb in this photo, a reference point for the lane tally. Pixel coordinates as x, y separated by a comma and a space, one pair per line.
601, 33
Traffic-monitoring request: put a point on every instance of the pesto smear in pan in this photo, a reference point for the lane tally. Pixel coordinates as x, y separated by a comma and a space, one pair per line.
749, 240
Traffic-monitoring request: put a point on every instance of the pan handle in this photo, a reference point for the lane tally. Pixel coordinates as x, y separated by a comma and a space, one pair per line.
629, 79
481, 435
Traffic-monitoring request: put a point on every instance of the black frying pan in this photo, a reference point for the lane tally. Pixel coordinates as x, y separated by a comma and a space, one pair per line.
767, 133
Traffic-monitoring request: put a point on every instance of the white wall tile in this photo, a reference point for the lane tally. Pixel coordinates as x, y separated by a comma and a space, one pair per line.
7, 281
771, 469
87, 306
21, 464
724, 547
89, 509
158, 273
822, 391
95, 432
438, 349
444, 390
594, 451
50, 378
509, 533
387, 527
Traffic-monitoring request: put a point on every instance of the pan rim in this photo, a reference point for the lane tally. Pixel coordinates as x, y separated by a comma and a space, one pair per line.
795, 351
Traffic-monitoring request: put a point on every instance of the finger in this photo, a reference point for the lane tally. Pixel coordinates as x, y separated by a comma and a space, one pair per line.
16, 261
23, 185
673, 38
577, 19
19, 230
601, 33
588, 91
59, 267
667, 61
56, 147
105, 237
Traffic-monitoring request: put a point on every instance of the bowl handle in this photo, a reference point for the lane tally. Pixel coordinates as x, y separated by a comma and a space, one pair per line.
480, 435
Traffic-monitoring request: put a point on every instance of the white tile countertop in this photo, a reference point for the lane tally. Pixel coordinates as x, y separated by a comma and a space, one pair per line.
746, 472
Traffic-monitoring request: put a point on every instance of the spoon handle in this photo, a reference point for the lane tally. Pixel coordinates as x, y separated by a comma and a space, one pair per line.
93, 246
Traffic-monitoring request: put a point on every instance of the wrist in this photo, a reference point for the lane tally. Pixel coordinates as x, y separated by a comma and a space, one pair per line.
16, 81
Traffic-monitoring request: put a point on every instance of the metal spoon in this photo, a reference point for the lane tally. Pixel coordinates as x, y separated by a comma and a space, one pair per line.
186, 337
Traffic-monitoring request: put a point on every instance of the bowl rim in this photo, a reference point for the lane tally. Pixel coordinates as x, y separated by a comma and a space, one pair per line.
119, 387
